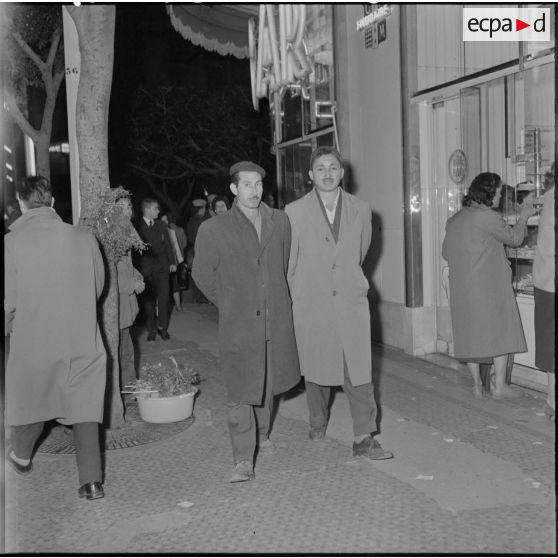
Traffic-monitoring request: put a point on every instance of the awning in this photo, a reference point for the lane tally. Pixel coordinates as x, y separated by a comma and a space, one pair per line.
221, 28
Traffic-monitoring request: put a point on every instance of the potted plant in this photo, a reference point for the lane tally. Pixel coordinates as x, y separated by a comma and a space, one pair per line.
165, 390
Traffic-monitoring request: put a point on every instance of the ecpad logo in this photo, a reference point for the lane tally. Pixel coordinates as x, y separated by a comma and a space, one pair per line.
506, 24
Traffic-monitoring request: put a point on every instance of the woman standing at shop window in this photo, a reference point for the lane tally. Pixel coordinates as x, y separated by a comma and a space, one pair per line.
484, 314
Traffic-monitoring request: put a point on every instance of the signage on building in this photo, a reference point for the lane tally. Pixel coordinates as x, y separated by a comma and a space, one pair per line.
373, 23
277, 51
457, 166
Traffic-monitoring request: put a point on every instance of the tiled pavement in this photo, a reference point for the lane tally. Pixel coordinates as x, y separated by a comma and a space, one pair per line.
469, 476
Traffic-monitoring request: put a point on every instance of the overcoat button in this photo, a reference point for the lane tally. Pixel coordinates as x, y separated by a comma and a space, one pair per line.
257, 313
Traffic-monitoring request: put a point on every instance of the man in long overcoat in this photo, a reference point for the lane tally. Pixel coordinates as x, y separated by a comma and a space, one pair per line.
331, 234
241, 266
56, 369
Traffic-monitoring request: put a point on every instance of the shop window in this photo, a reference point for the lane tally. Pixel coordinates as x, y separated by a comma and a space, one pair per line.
306, 106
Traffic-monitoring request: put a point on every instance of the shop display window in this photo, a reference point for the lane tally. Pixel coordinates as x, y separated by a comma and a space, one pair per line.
307, 106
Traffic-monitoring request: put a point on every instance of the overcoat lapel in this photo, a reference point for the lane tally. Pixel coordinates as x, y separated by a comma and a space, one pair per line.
348, 216
267, 226
318, 220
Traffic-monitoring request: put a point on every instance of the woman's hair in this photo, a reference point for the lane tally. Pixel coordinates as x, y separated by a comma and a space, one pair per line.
482, 189
218, 199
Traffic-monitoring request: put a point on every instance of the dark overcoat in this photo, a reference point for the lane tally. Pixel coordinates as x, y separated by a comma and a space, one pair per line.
241, 276
484, 314
56, 368
329, 290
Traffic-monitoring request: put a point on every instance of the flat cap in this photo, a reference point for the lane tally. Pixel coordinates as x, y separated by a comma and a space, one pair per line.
246, 166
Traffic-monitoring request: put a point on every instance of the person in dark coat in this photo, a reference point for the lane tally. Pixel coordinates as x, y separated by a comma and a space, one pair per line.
198, 214
54, 275
485, 318
156, 264
241, 265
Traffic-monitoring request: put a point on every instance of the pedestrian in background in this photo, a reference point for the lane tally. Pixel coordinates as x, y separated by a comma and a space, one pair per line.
198, 214
156, 264
331, 234
484, 314
241, 265
54, 275
130, 284
178, 261
544, 282
220, 205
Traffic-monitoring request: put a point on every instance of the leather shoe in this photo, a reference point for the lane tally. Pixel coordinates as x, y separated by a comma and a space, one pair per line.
165, 335
243, 471
371, 448
152, 336
17, 467
91, 491
316, 433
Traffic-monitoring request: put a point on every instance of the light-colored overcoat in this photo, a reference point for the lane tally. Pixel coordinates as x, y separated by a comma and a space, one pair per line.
484, 314
241, 276
329, 290
56, 368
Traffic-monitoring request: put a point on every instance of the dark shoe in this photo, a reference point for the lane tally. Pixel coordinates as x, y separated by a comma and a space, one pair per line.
17, 467
242, 472
371, 448
165, 335
152, 336
91, 491
316, 433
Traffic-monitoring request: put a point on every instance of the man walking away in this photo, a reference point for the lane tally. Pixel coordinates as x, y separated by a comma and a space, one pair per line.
56, 369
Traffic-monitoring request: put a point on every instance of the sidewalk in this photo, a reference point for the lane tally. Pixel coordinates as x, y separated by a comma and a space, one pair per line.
468, 476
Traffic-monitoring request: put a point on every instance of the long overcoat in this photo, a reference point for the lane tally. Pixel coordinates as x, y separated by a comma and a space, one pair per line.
329, 290
56, 368
484, 314
241, 276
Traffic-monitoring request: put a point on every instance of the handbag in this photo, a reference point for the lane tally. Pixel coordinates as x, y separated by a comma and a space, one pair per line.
183, 272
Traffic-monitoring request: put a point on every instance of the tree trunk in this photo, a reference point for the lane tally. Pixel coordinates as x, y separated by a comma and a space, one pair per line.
43, 155
95, 28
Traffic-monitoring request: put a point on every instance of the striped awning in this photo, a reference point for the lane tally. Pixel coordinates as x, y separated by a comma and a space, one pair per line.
222, 28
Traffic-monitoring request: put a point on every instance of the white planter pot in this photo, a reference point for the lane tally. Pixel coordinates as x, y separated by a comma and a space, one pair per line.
166, 409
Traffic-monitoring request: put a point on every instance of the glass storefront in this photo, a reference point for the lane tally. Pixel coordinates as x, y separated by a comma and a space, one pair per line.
303, 113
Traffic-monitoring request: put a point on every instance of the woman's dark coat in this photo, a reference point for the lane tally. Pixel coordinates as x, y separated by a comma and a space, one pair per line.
240, 274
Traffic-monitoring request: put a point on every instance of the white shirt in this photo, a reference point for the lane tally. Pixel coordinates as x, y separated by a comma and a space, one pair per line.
148, 221
331, 214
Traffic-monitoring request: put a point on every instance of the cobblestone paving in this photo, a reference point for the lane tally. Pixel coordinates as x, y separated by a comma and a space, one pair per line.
171, 496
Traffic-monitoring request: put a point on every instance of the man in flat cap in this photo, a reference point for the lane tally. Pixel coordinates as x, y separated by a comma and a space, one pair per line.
241, 265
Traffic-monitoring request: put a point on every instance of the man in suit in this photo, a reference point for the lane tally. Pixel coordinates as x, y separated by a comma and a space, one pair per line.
331, 234
54, 275
156, 264
241, 266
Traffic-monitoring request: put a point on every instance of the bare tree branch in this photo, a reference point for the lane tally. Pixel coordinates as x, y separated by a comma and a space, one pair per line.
55, 41
159, 176
29, 51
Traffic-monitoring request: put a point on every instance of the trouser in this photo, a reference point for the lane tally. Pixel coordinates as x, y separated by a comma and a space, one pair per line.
361, 402
157, 293
126, 353
245, 421
86, 441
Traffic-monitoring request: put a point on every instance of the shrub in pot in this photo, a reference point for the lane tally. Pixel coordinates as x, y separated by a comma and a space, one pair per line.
165, 390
